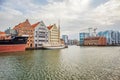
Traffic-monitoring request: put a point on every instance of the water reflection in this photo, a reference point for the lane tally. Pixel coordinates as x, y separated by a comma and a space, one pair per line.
73, 63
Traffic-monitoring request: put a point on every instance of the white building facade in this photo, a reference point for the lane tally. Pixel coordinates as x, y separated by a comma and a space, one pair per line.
40, 35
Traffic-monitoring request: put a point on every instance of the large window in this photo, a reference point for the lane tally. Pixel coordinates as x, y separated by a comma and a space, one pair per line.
41, 36
41, 40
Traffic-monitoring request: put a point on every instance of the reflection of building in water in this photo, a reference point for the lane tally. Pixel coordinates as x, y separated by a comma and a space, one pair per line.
73, 42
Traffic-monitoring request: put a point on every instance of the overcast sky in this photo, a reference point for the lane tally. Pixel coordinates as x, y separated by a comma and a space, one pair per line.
74, 15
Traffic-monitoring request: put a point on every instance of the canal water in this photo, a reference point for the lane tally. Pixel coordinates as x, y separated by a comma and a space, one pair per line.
73, 63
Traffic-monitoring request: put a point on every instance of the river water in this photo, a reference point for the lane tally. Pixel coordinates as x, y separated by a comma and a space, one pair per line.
73, 63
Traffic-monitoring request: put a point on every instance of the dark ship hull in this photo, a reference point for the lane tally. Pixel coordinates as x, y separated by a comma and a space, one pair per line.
13, 45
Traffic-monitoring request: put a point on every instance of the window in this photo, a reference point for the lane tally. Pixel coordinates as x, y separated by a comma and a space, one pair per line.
41, 40
41, 36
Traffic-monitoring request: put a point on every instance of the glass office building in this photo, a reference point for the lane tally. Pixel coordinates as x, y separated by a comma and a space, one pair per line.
113, 37
65, 38
82, 36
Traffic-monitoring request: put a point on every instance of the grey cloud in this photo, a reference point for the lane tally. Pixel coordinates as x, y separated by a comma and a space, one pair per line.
73, 14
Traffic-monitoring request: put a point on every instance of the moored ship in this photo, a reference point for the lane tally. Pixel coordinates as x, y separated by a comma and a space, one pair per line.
14, 44
50, 46
54, 47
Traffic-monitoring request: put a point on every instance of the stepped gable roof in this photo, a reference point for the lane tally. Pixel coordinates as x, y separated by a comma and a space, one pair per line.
34, 25
50, 27
23, 24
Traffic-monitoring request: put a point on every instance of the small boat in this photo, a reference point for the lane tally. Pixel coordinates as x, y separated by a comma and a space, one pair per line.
14, 44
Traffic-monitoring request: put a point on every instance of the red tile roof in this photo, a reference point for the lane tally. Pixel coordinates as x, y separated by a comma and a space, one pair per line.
49, 27
2, 32
34, 25
23, 24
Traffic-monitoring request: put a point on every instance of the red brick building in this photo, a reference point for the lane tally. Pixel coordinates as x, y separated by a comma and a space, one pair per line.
25, 28
95, 41
4, 36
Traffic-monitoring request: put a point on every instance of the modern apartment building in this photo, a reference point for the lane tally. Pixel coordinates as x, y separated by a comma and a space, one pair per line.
112, 37
65, 38
82, 36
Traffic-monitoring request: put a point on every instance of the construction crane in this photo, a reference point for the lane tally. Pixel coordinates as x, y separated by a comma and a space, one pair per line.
91, 31
88, 29
94, 32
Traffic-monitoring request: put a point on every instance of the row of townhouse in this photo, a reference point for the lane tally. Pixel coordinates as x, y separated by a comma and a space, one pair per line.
39, 33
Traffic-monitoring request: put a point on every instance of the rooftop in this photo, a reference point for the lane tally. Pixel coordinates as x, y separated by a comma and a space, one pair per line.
23, 24
2, 32
50, 27
34, 25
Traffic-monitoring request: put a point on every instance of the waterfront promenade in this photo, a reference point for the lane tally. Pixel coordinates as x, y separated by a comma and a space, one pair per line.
73, 63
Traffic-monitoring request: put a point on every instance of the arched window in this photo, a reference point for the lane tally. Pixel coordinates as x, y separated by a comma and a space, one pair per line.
30, 45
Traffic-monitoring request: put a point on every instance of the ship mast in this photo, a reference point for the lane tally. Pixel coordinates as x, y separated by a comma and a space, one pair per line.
59, 29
